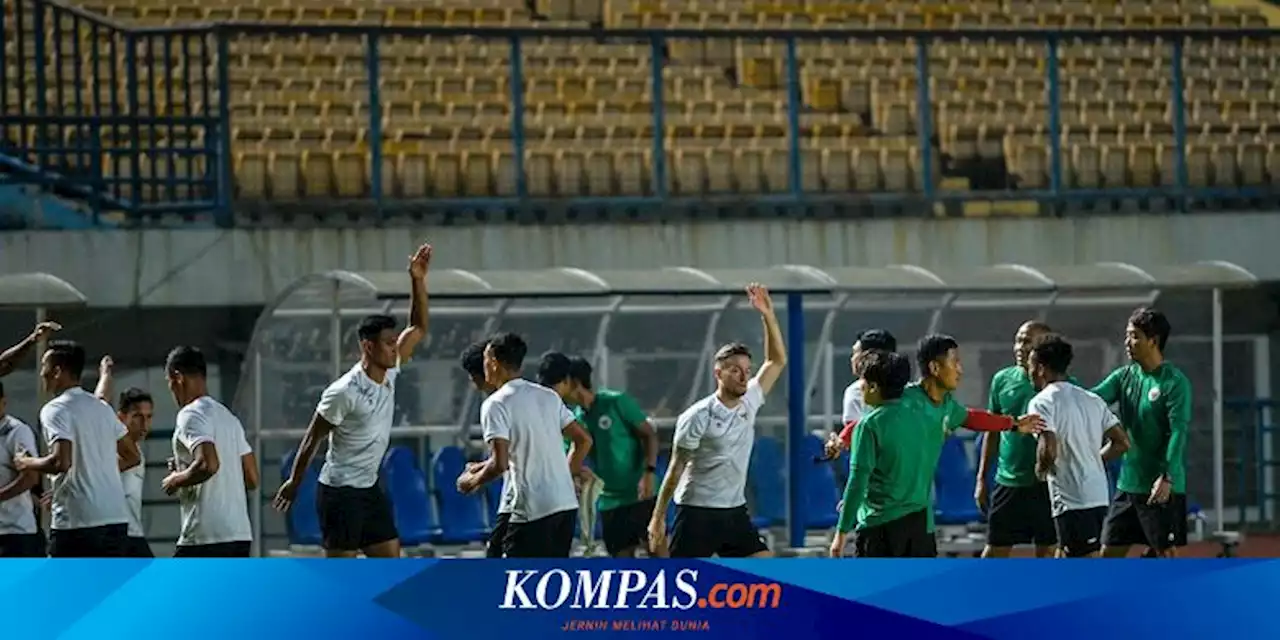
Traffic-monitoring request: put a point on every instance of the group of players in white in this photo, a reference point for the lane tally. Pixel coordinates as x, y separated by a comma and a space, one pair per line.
1051, 487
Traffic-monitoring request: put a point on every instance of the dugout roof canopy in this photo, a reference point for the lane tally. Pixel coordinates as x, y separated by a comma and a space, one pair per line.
318, 290
28, 290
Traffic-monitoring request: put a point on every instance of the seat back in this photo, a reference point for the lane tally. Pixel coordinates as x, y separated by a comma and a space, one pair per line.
303, 520
818, 485
411, 501
954, 482
462, 517
766, 478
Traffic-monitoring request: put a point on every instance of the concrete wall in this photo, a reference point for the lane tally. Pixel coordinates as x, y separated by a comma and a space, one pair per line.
163, 268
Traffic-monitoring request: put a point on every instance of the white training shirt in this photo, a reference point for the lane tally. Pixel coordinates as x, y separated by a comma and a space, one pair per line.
361, 411
91, 493
853, 405
17, 514
532, 419
1079, 418
216, 510
721, 440
133, 479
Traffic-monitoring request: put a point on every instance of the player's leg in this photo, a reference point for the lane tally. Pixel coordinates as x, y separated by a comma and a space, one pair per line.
918, 541
695, 533
1164, 525
379, 538
340, 521
27, 545
871, 542
547, 537
1080, 532
1040, 514
625, 528
1122, 528
740, 538
1007, 521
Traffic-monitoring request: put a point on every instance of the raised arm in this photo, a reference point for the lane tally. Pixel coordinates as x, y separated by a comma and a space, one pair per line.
105, 378
775, 351
419, 263
13, 355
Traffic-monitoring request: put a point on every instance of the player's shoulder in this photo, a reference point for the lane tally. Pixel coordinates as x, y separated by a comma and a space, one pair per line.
1170, 373
700, 408
1007, 375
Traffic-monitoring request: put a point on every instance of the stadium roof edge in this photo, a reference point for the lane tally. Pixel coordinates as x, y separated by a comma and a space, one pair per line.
999, 278
28, 290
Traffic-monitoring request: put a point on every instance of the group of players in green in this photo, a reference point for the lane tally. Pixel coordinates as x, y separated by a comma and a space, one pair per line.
897, 441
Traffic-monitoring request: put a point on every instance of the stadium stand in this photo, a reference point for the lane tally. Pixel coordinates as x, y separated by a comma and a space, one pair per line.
300, 101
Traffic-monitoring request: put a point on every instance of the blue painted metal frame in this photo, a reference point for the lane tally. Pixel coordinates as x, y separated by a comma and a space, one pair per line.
1253, 429
212, 188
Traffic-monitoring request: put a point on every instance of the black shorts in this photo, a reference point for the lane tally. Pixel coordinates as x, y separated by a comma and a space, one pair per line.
626, 527
702, 532
1020, 515
1131, 521
239, 549
137, 548
22, 545
1080, 531
498, 537
905, 537
547, 537
353, 519
107, 541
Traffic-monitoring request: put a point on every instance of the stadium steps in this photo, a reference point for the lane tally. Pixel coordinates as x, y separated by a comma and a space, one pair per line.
1270, 9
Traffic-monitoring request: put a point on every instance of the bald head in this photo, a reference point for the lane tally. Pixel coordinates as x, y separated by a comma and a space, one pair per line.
1029, 331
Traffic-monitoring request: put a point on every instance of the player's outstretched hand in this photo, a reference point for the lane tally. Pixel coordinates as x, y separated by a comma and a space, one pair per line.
420, 261
1029, 424
106, 365
832, 447
658, 536
285, 496
758, 294
44, 329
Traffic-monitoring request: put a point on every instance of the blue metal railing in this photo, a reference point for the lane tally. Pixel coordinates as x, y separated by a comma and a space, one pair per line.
1255, 460
128, 156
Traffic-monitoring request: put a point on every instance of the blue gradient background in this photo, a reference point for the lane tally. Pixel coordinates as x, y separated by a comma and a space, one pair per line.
448, 599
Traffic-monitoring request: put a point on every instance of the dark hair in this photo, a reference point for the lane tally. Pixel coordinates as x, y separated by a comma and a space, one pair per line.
67, 355
580, 370
1153, 324
1053, 351
887, 370
553, 369
133, 396
877, 339
472, 359
189, 361
509, 350
1, 390
730, 350
933, 347
373, 325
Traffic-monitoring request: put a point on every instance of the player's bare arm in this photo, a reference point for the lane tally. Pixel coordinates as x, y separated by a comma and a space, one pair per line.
13, 355
317, 431
680, 459
775, 350
648, 437
477, 475
1046, 454
204, 465
58, 460
990, 445
579, 446
249, 466
1117, 443
419, 263
21, 483
106, 369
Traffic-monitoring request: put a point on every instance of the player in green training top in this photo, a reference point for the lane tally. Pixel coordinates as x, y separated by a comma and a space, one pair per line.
1153, 398
625, 454
895, 454
1018, 511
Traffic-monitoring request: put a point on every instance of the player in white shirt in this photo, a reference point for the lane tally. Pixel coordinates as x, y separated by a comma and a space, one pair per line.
712, 450
212, 465
852, 405
135, 412
354, 415
19, 533
1076, 423
472, 363
525, 426
85, 443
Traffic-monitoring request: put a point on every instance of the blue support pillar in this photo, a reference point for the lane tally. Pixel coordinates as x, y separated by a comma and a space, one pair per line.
796, 418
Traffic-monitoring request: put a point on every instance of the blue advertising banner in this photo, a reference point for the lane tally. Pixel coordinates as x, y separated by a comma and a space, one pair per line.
766, 599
